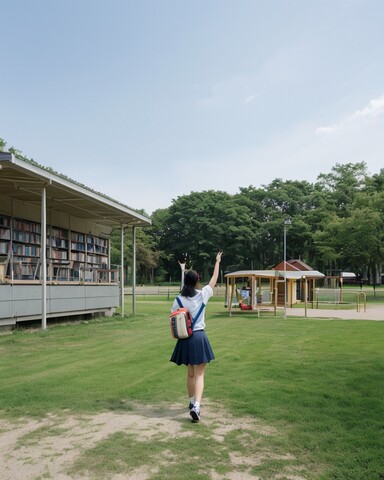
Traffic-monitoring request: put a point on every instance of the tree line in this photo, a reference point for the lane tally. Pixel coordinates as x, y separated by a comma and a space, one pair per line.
337, 224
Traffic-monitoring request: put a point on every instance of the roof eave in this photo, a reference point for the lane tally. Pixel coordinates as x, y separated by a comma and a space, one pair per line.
52, 178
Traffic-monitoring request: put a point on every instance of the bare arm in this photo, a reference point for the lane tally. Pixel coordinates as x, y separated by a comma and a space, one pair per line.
215, 274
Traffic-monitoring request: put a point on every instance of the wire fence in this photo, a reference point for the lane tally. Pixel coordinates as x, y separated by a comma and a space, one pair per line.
335, 296
165, 291
322, 296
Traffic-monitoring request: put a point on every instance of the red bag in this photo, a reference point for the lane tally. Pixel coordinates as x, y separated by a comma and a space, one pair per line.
181, 321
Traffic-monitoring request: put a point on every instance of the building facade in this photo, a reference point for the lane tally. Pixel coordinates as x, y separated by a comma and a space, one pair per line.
55, 244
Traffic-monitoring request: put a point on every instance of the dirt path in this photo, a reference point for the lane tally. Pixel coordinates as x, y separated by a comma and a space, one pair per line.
372, 312
48, 449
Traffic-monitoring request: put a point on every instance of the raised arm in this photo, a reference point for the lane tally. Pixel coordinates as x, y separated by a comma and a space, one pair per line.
215, 274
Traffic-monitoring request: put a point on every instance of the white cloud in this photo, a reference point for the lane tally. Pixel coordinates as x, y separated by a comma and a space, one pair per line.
328, 130
370, 113
375, 108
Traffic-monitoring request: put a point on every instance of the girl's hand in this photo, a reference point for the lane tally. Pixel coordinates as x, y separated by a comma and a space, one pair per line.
218, 256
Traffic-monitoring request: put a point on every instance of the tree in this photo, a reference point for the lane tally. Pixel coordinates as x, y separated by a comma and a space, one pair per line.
197, 225
337, 224
146, 254
269, 207
343, 183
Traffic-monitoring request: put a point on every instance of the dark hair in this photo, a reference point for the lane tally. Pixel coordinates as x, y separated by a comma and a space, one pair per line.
190, 280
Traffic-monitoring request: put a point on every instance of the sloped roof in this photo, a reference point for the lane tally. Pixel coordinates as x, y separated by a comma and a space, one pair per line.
293, 275
297, 275
253, 273
23, 179
288, 267
294, 265
299, 264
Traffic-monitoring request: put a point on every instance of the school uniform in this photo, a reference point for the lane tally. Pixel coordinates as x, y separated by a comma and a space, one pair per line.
196, 349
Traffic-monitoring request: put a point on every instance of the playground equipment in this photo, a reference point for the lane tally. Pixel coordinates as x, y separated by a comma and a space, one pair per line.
265, 289
364, 297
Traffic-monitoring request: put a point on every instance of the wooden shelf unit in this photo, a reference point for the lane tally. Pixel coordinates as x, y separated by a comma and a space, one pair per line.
89, 253
26, 248
57, 243
71, 255
5, 234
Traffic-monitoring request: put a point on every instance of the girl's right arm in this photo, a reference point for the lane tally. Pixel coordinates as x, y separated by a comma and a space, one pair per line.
215, 274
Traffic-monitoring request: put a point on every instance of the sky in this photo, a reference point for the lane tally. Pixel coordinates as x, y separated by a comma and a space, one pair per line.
148, 100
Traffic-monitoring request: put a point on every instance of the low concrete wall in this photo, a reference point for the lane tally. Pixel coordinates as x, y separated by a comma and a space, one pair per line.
22, 302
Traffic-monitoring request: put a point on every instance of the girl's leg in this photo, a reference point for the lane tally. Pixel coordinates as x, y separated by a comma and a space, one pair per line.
191, 381
198, 375
195, 381
199, 381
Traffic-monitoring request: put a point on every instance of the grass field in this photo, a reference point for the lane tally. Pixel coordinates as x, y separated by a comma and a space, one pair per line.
317, 384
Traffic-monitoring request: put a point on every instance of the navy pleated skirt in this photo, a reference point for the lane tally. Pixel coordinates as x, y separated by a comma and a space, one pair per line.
193, 350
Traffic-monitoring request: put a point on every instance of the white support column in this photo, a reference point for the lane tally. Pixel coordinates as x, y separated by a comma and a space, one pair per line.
305, 295
43, 259
182, 267
134, 271
287, 222
253, 293
122, 272
109, 277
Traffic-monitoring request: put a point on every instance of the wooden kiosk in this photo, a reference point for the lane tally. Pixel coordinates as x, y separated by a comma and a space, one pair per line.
252, 290
256, 290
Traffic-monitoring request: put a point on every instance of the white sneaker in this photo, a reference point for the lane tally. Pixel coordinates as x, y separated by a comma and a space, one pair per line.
195, 414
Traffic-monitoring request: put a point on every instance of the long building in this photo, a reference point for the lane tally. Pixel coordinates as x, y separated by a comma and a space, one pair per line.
55, 245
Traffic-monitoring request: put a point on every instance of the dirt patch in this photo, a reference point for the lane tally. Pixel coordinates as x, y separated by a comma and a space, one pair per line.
48, 448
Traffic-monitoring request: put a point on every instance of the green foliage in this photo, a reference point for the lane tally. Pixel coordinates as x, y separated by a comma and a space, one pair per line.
337, 225
146, 254
197, 226
343, 183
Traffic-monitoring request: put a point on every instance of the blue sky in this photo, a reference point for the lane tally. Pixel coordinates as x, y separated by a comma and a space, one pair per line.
146, 100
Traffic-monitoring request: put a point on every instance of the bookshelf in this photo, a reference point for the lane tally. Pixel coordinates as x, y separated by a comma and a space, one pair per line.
5, 243
77, 247
25, 247
57, 253
57, 243
88, 254
97, 250
5, 234
71, 255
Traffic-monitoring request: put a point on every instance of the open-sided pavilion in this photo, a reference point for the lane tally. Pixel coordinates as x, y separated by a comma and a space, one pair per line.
257, 289
55, 256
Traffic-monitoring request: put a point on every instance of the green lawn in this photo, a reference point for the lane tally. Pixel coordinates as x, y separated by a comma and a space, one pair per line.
318, 383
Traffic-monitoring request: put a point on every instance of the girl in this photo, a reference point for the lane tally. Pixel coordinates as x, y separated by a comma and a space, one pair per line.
195, 351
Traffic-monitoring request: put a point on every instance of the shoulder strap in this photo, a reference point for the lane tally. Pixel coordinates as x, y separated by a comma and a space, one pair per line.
194, 320
179, 302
